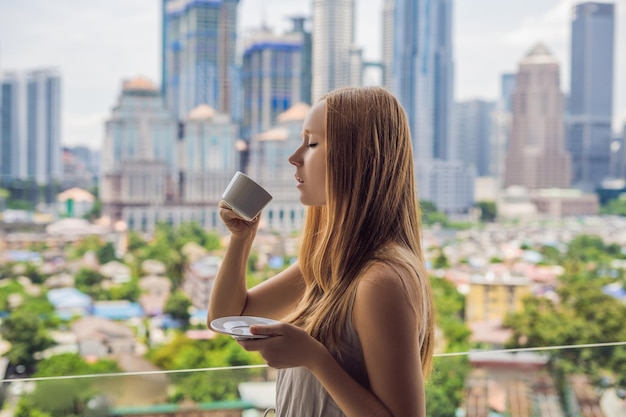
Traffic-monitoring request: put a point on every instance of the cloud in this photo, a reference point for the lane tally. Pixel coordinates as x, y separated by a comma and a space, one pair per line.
483, 55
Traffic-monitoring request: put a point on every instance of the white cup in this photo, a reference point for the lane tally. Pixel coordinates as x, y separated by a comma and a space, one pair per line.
245, 197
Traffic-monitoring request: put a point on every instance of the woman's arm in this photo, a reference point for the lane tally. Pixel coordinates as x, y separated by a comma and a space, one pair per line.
230, 296
387, 329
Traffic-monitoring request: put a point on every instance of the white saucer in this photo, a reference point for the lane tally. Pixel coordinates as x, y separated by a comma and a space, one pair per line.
239, 326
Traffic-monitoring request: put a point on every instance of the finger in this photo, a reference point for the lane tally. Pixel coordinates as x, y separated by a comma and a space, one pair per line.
224, 205
266, 330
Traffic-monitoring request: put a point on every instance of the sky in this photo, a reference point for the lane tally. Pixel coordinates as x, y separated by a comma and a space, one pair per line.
95, 45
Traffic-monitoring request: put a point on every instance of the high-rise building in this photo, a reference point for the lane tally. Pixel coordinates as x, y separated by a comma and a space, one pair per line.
333, 40
536, 156
471, 131
269, 165
306, 56
422, 72
507, 86
140, 151
501, 127
198, 52
422, 79
158, 169
208, 155
30, 127
389, 10
591, 92
270, 78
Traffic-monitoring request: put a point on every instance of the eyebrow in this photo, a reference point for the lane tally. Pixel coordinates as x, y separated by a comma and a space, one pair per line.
309, 132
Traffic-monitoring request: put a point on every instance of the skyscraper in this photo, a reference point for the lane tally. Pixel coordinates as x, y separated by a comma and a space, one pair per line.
591, 92
271, 79
387, 42
199, 66
422, 72
536, 156
140, 151
471, 130
333, 39
422, 79
30, 127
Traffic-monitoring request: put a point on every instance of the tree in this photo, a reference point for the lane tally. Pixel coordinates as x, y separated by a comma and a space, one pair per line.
27, 335
106, 253
221, 351
616, 207
177, 306
488, 211
430, 214
88, 281
444, 390
69, 397
584, 315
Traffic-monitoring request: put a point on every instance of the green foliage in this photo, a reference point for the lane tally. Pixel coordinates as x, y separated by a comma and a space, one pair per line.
589, 248
25, 408
13, 287
551, 255
88, 244
32, 272
127, 291
450, 307
488, 211
61, 398
615, 207
441, 261
444, 390
27, 335
135, 241
221, 351
430, 215
584, 315
177, 306
106, 253
88, 281
20, 205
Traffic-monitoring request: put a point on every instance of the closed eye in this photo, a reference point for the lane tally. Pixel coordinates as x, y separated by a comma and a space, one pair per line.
311, 145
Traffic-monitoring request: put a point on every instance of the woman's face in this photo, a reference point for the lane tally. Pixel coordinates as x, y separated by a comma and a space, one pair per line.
310, 158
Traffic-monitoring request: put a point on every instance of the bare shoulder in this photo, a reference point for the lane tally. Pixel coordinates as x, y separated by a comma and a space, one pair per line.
384, 296
383, 279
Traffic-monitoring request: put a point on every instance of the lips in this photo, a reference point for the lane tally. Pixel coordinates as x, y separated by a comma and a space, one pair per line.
299, 180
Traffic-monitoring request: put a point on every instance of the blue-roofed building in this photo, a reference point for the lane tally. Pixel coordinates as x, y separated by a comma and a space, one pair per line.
117, 310
69, 302
615, 290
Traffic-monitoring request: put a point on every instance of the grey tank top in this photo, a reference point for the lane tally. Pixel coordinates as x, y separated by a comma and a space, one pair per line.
300, 394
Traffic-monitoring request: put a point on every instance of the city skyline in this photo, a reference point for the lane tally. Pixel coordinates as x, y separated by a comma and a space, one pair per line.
95, 58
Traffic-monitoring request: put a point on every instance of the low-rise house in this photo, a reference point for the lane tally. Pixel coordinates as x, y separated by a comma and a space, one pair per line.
69, 302
155, 290
199, 279
75, 202
116, 271
98, 337
153, 267
62, 280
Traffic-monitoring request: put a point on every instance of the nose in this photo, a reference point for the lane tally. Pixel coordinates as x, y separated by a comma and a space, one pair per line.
295, 159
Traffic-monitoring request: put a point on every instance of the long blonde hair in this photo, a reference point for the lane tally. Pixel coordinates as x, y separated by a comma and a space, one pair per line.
372, 215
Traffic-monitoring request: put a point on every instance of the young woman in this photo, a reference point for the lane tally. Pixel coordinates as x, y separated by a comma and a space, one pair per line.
356, 337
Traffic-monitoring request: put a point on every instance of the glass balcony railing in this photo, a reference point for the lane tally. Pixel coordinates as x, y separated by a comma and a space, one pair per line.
504, 382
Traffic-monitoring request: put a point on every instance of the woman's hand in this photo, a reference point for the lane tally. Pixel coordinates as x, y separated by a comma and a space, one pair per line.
237, 226
287, 347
